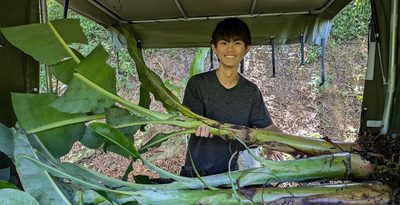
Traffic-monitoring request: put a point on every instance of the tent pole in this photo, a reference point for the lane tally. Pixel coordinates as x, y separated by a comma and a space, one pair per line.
66, 5
302, 48
44, 19
392, 67
322, 62
374, 20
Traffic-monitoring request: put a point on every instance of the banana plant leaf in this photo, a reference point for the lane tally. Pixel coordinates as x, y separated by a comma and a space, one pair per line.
6, 139
37, 182
174, 88
126, 146
91, 139
82, 98
35, 114
42, 41
16, 197
198, 63
151, 81
144, 100
64, 70
118, 117
92, 197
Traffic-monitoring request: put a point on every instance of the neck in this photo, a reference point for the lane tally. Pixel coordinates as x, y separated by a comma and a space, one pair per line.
227, 77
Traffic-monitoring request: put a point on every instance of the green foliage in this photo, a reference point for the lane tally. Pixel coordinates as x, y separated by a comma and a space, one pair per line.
151, 82
37, 182
4, 184
46, 37
198, 63
95, 33
6, 140
352, 22
16, 197
34, 114
313, 53
80, 97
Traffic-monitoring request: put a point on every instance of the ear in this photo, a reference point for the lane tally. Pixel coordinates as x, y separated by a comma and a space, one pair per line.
213, 48
247, 49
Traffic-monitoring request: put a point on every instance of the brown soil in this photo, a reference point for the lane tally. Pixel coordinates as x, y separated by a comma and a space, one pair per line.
295, 100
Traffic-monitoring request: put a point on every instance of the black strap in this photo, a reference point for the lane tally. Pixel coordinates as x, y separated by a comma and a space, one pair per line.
242, 66
211, 59
273, 57
66, 3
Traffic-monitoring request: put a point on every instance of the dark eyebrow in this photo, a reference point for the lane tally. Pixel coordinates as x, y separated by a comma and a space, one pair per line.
234, 38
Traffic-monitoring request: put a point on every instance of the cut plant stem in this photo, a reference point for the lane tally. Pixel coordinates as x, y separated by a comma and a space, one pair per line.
282, 142
326, 167
363, 193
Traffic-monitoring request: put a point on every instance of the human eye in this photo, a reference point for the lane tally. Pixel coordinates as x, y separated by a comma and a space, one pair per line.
223, 43
239, 42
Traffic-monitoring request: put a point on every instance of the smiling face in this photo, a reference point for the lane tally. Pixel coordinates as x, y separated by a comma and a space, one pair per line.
230, 52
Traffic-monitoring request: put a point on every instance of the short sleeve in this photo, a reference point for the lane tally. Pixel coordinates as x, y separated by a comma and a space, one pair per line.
259, 115
192, 97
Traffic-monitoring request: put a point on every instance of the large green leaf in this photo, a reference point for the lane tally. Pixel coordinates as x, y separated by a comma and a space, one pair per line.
152, 82
64, 70
95, 68
82, 98
115, 117
57, 171
6, 140
198, 63
42, 42
73, 171
116, 137
118, 117
35, 114
16, 197
144, 100
35, 181
91, 139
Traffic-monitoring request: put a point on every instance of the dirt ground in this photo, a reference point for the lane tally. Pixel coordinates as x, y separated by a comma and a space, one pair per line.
296, 101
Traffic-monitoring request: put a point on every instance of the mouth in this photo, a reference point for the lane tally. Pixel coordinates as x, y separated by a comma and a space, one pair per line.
230, 56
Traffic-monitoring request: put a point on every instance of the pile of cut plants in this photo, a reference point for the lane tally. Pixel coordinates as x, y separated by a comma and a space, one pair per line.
91, 112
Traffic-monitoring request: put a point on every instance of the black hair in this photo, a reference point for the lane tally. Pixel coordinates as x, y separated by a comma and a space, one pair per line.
231, 28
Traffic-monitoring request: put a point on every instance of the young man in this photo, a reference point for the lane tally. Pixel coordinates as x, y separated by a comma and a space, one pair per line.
225, 96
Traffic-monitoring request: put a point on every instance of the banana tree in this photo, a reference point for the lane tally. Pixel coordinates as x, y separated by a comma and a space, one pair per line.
59, 121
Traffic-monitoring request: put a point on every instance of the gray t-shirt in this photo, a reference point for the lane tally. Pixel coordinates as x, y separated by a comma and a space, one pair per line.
241, 105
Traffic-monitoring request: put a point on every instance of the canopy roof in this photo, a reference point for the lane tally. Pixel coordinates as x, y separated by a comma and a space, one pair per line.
189, 23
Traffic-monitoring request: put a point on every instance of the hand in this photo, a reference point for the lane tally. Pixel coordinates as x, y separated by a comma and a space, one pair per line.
203, 131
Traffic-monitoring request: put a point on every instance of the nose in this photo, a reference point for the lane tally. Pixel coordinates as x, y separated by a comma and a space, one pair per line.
230, 46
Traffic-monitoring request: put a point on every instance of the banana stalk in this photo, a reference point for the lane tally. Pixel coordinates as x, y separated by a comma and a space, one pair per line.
328, 167
363, 193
